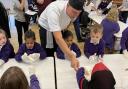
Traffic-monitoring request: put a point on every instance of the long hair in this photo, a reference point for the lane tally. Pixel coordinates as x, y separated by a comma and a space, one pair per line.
113, 14
14, 78
4, 23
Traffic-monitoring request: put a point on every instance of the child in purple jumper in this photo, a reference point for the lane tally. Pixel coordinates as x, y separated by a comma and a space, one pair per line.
30, 51
94, 46
68, 37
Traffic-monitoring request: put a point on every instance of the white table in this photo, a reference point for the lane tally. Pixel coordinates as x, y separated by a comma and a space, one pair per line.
66, 76
44, 71
98, 19
117, 63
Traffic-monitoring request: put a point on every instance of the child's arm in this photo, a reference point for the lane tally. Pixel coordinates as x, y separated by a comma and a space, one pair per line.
82, 82
42, 52
116, 28
7, 52
76, 50
34, 83
20, 53
86, 50
60, 54
87, 54
101, 48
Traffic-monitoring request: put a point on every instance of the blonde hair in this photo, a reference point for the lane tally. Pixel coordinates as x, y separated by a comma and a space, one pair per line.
113, 14
3, 32
96, 28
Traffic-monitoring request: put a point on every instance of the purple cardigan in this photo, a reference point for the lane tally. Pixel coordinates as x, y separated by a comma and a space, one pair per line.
34, 83
124, 40
36, 49
73, 47
7, 52
109, 29
90, 48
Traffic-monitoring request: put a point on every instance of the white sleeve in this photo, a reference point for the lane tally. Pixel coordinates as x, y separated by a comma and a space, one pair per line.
53, 19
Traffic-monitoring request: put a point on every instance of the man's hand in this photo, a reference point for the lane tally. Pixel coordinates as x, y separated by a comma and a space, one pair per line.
64, 47
75, 64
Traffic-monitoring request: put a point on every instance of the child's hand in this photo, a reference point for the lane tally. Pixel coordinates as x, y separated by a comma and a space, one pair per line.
26, 59
80, 72
100, 59
88, 71
126, 55
1, 62
125, 52
93, 57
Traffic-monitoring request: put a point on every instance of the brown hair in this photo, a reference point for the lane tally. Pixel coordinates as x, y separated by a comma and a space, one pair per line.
96, 28
29, 34
113, 14
13, 78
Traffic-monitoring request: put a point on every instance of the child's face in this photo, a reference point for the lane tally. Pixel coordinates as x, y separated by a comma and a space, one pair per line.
29, 43
3, 39
95, 37
69, 40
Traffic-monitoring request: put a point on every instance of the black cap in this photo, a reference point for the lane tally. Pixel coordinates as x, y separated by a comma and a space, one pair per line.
77, 4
